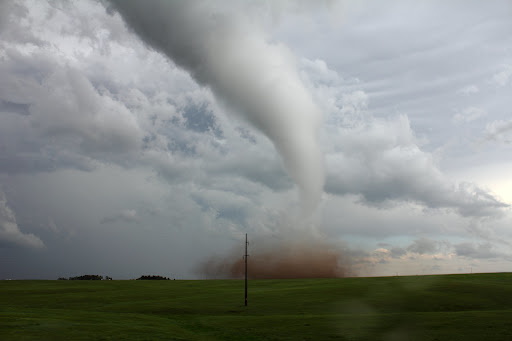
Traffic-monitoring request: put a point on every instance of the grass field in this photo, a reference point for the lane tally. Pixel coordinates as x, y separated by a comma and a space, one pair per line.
447, 307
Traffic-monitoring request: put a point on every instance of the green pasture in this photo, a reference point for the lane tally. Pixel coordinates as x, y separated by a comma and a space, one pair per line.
448, 307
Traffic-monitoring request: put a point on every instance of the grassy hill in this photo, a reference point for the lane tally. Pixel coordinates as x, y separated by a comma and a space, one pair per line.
447, 307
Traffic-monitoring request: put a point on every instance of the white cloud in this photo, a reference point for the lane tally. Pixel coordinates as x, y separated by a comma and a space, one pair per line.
503, 77
468, 90
469, 114
317, 72
498, 130
382, 163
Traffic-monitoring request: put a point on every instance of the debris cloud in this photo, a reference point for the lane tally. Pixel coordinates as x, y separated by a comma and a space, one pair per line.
281, 260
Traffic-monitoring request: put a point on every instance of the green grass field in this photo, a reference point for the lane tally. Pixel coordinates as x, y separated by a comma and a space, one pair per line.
448, 307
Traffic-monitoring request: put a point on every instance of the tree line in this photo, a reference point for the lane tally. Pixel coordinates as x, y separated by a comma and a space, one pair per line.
86, 278
107, 278
152, 277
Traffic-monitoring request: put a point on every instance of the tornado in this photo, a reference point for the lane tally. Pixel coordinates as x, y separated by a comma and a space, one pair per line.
225, 49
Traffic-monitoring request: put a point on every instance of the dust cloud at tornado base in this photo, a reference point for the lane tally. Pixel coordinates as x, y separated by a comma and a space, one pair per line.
270, 259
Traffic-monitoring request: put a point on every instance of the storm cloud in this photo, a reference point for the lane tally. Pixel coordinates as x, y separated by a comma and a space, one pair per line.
10, 233
158, 133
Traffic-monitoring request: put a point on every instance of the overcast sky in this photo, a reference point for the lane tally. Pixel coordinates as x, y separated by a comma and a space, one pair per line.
144, 137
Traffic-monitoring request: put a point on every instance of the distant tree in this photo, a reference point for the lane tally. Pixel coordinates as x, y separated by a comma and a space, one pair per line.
107, 278
86, 278
62, 279
145, 277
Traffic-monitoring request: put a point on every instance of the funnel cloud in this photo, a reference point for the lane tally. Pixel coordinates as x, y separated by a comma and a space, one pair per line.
224, 50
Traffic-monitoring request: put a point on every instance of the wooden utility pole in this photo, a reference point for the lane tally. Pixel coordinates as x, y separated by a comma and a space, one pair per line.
245, 256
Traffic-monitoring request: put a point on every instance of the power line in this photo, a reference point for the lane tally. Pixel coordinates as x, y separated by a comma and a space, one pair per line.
245, 256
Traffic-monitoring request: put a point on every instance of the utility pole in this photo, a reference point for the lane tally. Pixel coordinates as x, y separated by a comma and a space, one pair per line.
245, 256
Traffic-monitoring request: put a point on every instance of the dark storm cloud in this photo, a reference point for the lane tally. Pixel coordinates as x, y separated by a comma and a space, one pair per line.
423, 245
93, 122
62, 120
397, 252
125, 216
256, 167
476, 251
12, 27
13, 107
236, 212
10, 233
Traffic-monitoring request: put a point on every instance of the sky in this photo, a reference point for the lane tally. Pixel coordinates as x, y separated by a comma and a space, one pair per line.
146, 137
